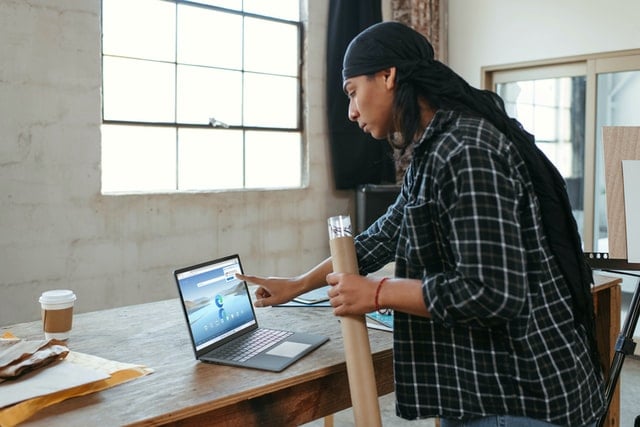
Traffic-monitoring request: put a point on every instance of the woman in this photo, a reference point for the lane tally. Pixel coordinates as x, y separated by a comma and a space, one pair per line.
493, 317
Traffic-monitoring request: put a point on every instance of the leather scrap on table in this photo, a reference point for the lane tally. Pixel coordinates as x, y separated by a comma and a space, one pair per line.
18, 357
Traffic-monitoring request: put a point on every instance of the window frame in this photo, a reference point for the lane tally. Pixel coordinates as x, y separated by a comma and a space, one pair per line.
590, 66
176, 125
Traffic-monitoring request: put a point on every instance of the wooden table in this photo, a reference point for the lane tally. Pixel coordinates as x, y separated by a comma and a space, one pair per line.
184, 392
607, 298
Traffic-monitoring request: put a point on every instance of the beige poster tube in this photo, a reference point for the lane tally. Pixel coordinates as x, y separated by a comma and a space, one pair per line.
362, 380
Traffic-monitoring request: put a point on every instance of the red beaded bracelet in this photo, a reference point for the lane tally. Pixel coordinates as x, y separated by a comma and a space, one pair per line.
385, 311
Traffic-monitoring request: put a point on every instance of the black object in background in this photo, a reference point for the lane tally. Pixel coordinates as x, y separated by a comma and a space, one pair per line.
356, 157
372, 201
625, 345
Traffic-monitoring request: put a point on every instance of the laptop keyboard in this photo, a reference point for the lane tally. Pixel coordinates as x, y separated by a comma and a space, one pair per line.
244, 348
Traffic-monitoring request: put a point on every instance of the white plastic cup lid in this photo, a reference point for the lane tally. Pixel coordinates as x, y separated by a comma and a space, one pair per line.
57, 296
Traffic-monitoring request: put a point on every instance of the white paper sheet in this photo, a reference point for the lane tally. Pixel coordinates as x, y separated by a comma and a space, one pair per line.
631, 179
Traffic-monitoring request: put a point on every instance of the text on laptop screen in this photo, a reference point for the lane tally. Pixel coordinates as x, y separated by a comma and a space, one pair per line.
216, 302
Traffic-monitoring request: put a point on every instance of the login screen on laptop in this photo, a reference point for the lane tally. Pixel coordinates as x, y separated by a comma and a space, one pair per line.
217, 304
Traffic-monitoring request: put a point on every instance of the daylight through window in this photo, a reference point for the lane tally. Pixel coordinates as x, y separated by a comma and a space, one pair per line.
201, 96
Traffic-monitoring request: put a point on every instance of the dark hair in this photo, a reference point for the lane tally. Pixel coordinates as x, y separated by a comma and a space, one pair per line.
442, 88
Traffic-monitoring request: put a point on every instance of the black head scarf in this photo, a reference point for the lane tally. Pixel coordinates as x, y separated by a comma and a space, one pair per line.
384, 45
392, 44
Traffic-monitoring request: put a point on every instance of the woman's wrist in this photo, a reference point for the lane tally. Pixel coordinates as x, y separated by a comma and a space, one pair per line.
379, 307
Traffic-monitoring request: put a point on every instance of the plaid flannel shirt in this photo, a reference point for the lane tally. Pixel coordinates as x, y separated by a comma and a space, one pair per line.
501, 337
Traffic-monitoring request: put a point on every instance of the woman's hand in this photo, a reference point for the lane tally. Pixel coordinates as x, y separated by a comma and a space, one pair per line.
351, 293
273, 290
279, 290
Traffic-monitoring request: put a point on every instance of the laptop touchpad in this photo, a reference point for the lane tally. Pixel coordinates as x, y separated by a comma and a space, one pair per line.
288, 349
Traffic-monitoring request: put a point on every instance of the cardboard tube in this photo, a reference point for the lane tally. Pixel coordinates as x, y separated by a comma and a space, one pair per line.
362, 380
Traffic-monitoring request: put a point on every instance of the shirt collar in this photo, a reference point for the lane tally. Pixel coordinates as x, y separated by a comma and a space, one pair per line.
437, 125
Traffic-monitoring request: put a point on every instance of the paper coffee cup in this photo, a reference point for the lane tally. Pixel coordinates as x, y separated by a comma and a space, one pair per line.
57, 313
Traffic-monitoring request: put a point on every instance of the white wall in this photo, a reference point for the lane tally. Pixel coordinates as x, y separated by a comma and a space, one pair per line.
58, 231
493, 32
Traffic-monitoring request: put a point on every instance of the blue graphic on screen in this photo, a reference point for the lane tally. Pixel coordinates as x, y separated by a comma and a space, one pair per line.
216, 302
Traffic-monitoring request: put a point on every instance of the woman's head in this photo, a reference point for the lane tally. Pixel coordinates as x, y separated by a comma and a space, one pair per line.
383, 58
371, 98
419, 81
385, 45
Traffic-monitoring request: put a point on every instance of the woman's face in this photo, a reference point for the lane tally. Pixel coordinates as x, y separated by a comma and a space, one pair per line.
371, 100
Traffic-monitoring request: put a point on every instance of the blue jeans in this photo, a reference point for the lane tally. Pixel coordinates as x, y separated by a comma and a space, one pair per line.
499, 421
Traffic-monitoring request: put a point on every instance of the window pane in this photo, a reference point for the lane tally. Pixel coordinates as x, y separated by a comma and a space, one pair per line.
561, 154
204, 93
525, 92
138, 158
525, 113
273, 159
261, 96
284, 9
208, 37
227, 4
135, 90
209, 159
545, 92
141, 28
545, 123
617, 103
270, 47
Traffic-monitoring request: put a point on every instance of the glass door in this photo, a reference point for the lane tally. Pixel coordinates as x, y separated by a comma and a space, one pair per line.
617, 105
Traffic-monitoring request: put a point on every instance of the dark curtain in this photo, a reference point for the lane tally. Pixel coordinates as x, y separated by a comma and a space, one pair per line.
356, 157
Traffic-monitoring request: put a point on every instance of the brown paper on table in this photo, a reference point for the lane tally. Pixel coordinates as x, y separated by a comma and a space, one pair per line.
362, 381
118, 373
19, 357
619, 143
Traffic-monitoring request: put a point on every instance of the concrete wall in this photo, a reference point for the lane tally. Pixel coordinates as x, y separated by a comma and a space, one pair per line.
58, 231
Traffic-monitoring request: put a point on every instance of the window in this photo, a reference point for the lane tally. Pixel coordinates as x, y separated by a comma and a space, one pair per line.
565, 103
553, 110
201, 95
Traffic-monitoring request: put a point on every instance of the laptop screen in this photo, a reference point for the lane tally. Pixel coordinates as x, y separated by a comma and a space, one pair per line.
216, 303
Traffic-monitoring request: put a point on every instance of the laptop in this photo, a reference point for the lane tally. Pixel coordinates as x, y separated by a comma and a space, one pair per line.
222, 322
